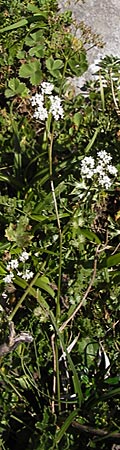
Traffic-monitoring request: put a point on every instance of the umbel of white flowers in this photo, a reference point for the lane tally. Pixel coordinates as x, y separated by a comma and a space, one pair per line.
38, 101
26, 274
100, 170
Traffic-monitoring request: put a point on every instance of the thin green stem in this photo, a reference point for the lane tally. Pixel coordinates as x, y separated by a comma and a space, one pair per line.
63, 74
50, 149
58, 378
23, 297
56, 358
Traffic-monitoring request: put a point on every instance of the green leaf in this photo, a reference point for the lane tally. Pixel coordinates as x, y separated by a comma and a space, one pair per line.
77, 119
58, 64
4, 178
32, 8
20, 54
9, 93
53, 66
20, 23
15, 87
90, 235
34, 38
113, 260
77, 383
23, 381
2, 270
78, 63
38, 51
31, 70
49, 63
44, 285
24, 285
36, 11
89, 146
3, 247
102, 92
66, 425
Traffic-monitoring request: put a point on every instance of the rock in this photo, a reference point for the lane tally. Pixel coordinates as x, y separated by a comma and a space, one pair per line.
103, 16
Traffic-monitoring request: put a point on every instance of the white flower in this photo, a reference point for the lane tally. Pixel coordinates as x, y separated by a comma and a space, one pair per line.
104, 181
102, 169
47, 88
37, 99
105, 157
87, 167
8, 278
24, 256
13, 264
19, 273
99, 169
56, 109
40, 113
112, 170
27, 275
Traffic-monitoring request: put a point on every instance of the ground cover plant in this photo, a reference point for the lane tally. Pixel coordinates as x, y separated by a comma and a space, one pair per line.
60, 228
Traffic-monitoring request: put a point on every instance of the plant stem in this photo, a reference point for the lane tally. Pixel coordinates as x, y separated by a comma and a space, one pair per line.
56, 357
51, 138
23, 297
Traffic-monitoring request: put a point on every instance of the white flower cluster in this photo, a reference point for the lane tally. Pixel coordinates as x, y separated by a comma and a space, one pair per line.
14, 265
38, 100
101, 169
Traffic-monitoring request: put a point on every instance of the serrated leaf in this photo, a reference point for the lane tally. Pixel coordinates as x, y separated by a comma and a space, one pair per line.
78, 64
32, 8
25, 70
38, 51
58, 64
54, 66
36, 77
31, 70
29, 41
37, 36
55, 73
9, 93
15, 87
34, 38
49, 63
20, 54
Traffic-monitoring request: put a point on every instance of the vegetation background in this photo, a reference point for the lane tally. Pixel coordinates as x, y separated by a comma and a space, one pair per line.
59, 249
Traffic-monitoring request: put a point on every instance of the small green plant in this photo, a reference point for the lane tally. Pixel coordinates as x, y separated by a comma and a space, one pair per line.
59, 250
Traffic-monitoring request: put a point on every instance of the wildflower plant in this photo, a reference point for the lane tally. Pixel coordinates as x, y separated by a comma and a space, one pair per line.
58, 250
39, 102
17, 267
99, 170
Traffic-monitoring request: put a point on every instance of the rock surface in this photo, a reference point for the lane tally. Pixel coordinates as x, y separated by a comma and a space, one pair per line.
103, 16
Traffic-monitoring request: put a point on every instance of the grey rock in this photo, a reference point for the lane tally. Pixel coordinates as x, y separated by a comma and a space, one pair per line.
103, 16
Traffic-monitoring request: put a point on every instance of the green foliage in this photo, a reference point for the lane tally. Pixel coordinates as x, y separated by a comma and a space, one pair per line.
59, 238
